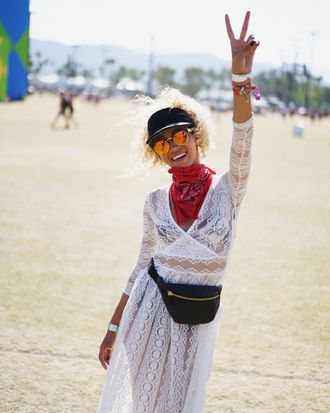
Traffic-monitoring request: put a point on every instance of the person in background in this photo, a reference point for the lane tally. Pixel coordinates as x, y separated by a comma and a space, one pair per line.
63, 106
70, 110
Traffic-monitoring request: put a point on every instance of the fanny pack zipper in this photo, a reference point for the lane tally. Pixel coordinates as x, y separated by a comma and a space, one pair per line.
171, 294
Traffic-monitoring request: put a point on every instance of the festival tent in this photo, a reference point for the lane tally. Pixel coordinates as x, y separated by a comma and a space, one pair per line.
14, 46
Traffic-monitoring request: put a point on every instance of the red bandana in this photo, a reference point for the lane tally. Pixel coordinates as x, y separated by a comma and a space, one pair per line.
188, 190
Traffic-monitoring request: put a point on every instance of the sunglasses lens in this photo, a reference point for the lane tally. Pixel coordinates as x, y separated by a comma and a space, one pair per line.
180, 138
161, 147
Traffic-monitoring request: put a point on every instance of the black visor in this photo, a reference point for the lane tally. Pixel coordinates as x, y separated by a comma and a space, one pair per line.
167, 118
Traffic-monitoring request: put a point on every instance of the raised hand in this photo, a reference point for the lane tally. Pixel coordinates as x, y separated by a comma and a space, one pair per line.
242, 50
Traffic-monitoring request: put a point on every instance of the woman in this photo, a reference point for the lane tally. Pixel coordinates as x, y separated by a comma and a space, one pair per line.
154, 363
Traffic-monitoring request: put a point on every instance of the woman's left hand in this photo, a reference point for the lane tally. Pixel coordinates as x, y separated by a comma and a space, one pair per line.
242, 50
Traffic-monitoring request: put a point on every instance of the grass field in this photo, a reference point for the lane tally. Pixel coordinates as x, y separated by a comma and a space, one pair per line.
70, 227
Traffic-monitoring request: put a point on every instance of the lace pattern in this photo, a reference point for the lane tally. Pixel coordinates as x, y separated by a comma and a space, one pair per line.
158, 366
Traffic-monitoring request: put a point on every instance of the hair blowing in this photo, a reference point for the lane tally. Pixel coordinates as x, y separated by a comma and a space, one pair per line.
171, 97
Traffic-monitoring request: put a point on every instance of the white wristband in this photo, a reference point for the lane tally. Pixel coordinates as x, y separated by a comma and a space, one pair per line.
113, 327
240, 78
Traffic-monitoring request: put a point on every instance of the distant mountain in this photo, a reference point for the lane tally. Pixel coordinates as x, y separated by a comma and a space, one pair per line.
92, 57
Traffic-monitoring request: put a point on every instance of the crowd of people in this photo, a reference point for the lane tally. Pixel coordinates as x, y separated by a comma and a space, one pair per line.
66, 109
312, 113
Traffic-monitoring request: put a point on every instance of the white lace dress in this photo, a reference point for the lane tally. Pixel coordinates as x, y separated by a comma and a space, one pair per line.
157, 365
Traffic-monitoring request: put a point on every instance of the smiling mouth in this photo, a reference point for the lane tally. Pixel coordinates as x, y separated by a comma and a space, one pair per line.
179, 156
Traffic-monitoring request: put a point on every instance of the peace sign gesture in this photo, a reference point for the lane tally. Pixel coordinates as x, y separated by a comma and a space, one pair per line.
242, 50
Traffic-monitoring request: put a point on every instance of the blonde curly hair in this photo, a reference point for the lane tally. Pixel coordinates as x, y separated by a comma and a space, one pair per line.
171, 97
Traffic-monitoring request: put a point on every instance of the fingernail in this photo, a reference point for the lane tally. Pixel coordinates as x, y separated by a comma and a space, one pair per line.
252, 42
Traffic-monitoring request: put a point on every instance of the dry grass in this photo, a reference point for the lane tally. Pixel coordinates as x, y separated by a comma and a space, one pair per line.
70, 230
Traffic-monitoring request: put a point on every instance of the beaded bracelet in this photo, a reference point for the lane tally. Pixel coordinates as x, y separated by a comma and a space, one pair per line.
244, 90
241, 77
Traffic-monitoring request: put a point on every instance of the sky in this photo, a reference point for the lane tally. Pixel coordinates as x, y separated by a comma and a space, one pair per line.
288, 30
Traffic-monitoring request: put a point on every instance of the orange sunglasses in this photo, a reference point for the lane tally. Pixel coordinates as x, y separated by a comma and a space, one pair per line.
179, 137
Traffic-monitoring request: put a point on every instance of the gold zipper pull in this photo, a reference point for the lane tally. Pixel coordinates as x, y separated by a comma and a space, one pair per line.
172, 294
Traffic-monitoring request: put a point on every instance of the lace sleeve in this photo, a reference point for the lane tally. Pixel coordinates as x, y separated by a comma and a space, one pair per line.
240, 160
147, 247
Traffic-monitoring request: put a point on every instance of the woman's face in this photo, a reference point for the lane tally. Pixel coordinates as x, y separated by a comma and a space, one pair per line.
180, 156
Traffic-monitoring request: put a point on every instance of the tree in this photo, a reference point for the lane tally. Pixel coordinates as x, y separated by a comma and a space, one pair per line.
105, 67
69, 69
165, 76
194, 80
123, 71
211, 77
87, 73
37, 63
293, 83
225, 77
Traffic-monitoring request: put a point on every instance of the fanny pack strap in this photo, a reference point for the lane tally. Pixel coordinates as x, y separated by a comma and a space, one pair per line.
152, 271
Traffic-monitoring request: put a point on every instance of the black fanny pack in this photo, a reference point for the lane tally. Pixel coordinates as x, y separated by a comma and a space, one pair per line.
187, 303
